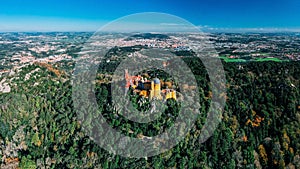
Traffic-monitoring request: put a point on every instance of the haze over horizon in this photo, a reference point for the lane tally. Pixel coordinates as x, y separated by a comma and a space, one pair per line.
90, 15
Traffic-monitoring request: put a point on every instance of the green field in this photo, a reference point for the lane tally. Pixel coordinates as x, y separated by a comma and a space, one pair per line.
269, 59
226, 59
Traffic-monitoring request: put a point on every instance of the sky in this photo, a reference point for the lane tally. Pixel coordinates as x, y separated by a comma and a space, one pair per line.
90, 15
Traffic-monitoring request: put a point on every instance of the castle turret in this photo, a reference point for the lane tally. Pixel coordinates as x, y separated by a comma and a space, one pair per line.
157, 88
152, 90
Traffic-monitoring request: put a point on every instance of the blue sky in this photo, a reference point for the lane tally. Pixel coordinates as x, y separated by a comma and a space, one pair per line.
89, 15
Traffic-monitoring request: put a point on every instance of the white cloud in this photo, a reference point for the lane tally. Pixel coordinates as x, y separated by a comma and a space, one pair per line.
243, 30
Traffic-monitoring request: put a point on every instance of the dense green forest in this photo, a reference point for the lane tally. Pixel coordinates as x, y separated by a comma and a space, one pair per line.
260, 125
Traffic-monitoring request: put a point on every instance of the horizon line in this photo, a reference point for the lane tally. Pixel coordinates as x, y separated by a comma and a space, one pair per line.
204, 30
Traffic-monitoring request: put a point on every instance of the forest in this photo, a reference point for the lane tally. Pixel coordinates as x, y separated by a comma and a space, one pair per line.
260, 125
